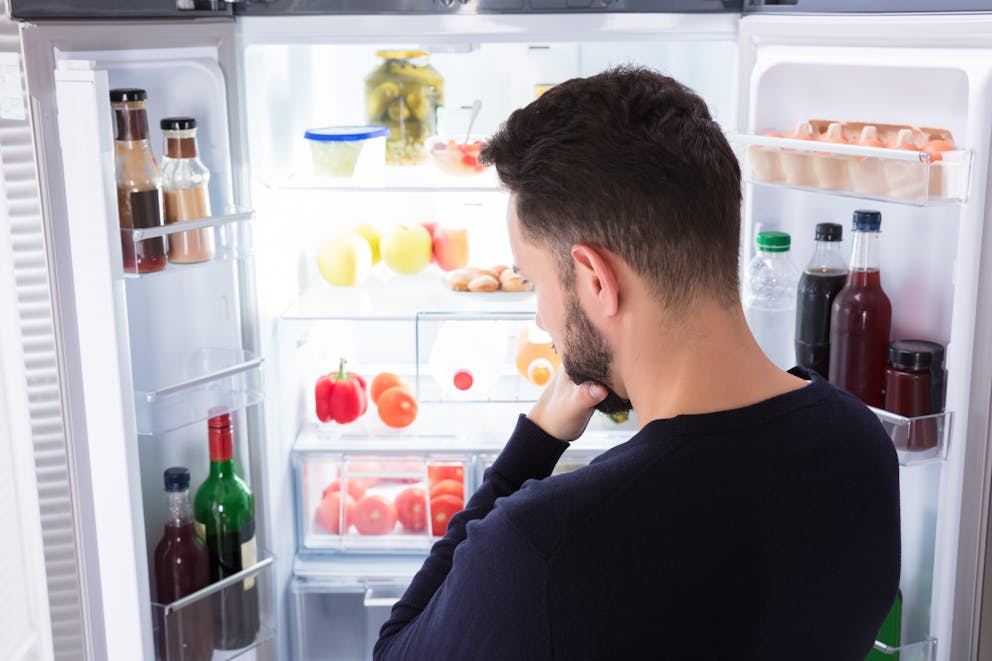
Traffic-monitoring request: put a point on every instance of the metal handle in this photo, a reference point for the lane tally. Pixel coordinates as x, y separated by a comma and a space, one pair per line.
188, 225
153, 395
218, 586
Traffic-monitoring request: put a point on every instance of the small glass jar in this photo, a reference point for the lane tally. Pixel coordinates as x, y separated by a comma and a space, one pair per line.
403, 94
185, 181
913, 368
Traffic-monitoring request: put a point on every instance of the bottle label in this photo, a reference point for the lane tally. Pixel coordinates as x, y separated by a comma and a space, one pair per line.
201, 531
249, 556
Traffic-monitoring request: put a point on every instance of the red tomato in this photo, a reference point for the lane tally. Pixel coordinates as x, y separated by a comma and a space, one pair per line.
445, 472
448, 487
375, 515
442, 509
397, 407
356, 488
364, 468
411, 508
414, 469
329, 511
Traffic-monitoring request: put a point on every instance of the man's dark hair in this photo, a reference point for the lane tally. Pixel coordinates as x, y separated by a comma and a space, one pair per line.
631, 161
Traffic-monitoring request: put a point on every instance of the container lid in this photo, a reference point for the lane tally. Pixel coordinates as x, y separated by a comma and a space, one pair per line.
866, 220
400, 54
916, 355
127, 94
774, 241
177, 124
829, 232
219, 421
345, 133
176, 478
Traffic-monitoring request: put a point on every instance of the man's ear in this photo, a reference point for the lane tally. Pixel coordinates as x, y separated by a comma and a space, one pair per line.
596, 277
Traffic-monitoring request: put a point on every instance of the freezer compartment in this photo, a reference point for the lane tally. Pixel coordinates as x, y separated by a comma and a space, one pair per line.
385, 501
222, 238
917, 440
340, 619
186, 628
208, 382
878, 173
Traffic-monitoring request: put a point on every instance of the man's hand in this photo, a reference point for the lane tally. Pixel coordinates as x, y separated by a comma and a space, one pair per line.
564, 409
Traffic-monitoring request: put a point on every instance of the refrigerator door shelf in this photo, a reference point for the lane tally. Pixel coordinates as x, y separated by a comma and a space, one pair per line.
210, 382
918, 440
876, 173
394, 502
925, 650
231, 235
172, 621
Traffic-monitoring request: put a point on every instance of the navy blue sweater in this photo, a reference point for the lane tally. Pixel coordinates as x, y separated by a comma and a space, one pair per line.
766, 532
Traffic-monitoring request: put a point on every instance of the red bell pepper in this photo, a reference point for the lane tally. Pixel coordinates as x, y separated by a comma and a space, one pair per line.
341, 396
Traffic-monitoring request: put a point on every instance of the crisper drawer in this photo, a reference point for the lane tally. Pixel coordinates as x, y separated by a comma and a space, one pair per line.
339, 620
380, 502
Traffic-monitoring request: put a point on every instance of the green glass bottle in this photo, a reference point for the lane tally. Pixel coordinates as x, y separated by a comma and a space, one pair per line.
889, 633
225, 520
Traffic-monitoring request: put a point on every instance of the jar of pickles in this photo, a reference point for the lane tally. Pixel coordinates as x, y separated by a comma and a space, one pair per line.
403, 93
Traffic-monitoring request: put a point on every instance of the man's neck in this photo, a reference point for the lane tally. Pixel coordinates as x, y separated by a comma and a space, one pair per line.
705, 363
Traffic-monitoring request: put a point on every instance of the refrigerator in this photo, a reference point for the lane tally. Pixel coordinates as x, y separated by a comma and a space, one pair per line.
114, 374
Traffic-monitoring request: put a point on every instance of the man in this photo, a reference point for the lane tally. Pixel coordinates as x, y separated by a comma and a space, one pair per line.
755, 515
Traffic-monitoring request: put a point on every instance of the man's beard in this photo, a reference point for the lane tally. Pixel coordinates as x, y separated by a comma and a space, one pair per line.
587, 357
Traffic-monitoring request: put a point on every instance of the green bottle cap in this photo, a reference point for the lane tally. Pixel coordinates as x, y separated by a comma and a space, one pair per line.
774, 241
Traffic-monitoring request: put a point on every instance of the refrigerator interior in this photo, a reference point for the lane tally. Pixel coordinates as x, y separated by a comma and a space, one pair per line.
929, 255
305, 74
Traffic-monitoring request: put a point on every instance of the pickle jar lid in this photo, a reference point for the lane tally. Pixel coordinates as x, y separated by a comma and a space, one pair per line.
400, 54
915, 355
345, 133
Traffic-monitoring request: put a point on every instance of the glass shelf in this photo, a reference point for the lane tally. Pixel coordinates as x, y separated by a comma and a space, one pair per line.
401, 298
917, 440
172, 622
210, 382
876, 173
925, 650
230, 234
396, 179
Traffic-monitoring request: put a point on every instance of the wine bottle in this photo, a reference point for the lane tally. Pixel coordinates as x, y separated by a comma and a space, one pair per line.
225, 520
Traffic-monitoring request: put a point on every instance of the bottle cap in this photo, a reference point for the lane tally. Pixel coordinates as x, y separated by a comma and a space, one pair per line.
177, 124
829, 232
127, 94
915, 355
866, 220
176, 478
219, 421
774, 241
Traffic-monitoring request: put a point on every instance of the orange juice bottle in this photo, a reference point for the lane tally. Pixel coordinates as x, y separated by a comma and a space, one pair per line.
535, 358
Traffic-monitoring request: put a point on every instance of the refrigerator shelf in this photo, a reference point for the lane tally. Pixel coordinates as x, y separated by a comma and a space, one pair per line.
924, 650
919, 440
171, 622
401, 298
210, 382
231, 238
395, 179
875, 173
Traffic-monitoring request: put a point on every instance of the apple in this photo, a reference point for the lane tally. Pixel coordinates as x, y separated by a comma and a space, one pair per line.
431, 228
345, 259
373, 236
451, 248
407, 249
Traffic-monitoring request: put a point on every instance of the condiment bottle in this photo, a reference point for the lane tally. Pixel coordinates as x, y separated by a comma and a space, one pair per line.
823, 277
535, 357
861, 317
138, 182
184, 187
913, 387
182, 566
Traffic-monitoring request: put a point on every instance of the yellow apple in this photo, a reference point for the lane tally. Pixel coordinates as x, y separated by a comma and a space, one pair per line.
345, 259
407, 249
373, 236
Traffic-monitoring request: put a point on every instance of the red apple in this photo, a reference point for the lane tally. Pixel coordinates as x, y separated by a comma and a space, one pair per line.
451, 248
431, 228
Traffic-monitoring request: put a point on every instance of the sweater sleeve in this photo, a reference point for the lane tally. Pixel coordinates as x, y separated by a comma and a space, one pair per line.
456, 600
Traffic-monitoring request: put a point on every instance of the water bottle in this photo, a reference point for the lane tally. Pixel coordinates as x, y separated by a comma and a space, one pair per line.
770, 284
467, 358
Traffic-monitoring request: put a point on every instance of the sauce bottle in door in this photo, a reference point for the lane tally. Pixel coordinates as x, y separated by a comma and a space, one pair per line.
184, 188
225, 520
138, 182
823, 277
182, 566
861, 317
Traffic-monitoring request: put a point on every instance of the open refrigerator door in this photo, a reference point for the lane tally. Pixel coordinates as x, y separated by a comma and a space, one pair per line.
888, 86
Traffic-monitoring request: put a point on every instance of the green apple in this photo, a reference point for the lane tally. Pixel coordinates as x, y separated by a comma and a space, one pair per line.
407, 249
373, 236
345, 259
